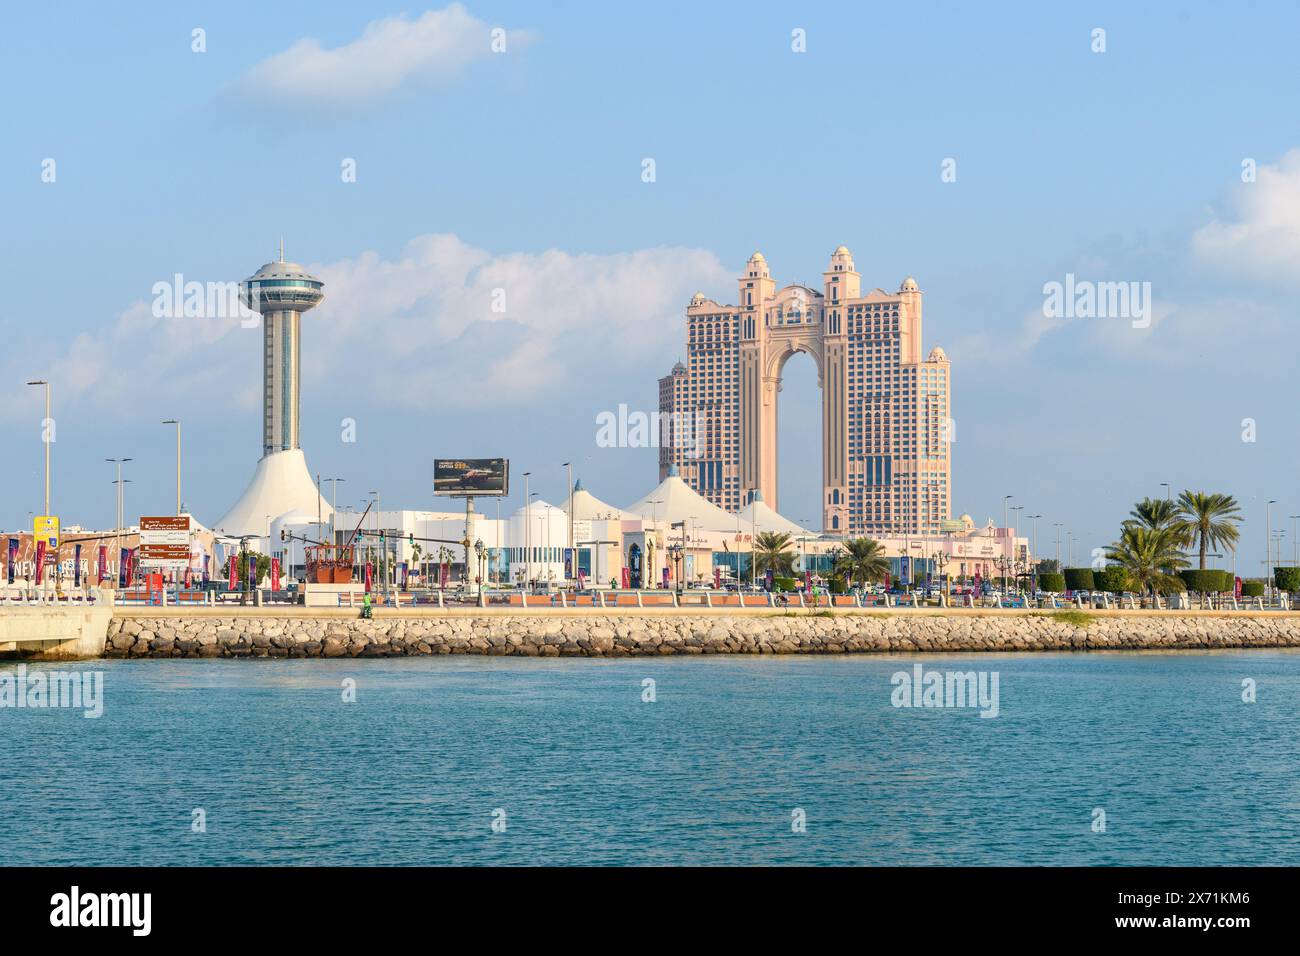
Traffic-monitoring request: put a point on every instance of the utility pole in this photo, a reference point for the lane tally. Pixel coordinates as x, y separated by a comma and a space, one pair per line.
46, 437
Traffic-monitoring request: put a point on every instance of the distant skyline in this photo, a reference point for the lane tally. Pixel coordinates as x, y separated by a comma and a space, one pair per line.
1173, 157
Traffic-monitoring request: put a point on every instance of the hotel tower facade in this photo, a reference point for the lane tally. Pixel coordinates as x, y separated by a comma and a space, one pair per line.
886, 413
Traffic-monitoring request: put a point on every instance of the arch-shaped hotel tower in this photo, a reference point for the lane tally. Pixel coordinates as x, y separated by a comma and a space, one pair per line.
886, 413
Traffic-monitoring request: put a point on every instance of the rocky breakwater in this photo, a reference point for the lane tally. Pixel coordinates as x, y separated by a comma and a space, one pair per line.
616, 635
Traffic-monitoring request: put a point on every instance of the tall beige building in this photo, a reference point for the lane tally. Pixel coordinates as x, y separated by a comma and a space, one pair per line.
886, 413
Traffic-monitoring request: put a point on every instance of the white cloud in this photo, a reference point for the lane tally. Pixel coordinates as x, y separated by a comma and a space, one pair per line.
389, 54
423, 325
1261, 239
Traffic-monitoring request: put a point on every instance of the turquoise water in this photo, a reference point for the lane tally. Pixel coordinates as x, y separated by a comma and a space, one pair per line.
709, 773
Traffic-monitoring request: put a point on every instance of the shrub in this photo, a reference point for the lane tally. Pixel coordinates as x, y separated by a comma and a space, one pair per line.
1288, 579
1227, 581
837, 586
1112, 578
1053, 582
1079, 579
1202, 582
1252, 589
784, 584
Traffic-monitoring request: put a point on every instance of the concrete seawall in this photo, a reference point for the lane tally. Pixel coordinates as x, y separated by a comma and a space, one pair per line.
260, 633
56, 633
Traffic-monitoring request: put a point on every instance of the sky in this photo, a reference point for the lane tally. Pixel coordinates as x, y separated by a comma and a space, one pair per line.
987, 150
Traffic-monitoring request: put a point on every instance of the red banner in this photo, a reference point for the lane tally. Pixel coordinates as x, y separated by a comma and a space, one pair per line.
103, 563
444, 571
367, 577
627, 579
717, 578
234, 572
275, 574
40, 560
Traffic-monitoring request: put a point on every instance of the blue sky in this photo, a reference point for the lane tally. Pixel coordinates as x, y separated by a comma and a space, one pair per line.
522, 171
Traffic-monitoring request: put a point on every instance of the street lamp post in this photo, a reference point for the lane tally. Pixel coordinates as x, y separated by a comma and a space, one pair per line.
1268, 546
46, 438
528, 535
117, 531
1034, 565
573, 555
334, 505
1006, 532
176, 422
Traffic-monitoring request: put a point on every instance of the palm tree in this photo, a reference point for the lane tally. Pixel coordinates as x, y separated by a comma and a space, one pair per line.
1211, 519
770, 552
863, 559
1156, 513
1149, 555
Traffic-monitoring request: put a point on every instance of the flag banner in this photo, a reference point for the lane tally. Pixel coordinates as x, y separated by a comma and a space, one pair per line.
807, 580
717, 578
76, 566
130, 564
368, 581
189, 580
40, 560
234, 572
444, 570
13, 557
402, 572
206, 559
665, 578
582, 581
252, 570
627, 578
102, 570
275, 574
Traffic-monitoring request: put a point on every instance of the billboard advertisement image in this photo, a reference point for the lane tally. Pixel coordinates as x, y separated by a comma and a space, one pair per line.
466, 477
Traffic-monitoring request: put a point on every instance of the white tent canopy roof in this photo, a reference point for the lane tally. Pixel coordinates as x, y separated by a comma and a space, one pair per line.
674, 500
757, 515
281, 484
587, 507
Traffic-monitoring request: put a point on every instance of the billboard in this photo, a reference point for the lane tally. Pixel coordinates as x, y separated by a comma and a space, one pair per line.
471, 477
46, 528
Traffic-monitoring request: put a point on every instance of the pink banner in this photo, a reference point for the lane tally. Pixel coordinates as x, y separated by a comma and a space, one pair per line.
275, 574
40, 560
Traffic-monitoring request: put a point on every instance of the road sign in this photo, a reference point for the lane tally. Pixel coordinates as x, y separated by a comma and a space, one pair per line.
165, 541
46, 528
165, 523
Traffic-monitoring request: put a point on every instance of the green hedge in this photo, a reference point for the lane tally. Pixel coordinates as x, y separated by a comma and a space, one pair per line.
1228, 581
1052, 582
1288, 579
1112, 578
1252, 589
1203, 582
1079, 579
784, 584
837, 586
